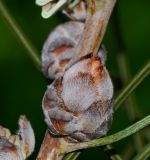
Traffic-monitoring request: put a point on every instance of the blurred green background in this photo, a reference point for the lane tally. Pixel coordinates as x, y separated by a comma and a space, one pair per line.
22, 86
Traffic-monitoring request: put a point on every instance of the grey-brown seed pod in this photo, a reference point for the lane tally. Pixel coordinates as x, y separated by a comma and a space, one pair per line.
19, 146
59, 48
80, 104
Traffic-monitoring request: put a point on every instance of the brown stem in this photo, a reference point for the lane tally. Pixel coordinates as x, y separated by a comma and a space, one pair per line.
53, 148
98, 14
50, 148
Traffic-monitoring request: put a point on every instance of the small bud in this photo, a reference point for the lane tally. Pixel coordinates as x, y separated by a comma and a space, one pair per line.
19, 146
80, 104
27, 136
59, 48
78, 13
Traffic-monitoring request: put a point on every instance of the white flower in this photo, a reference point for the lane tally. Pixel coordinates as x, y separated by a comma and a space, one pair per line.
50, 7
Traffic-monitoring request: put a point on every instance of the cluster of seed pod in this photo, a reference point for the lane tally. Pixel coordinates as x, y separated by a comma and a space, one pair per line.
19, 146
79, 103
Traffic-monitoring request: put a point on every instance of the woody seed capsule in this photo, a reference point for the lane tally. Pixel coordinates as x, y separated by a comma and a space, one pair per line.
80, 104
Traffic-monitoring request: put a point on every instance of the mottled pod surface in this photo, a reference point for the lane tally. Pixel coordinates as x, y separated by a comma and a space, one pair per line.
9, 151
80, 104
59, 48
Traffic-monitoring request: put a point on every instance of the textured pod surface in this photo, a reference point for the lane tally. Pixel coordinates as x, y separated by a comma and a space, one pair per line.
27, 136
80, 104
9, 151
59, 48
19, 146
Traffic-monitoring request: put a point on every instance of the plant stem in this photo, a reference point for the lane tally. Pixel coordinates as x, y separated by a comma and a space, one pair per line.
125, 74
72, 156
32, 52
128, 152
51, 147
144, 154
110, 139
111, 152
138, 78
98, 14
130, 105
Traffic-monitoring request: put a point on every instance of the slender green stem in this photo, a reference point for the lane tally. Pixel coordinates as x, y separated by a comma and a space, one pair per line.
32, 52
128, 152
72, 156
139, 77
125, 74
112, 138
144, 154
111, 152
131, 105
146, 134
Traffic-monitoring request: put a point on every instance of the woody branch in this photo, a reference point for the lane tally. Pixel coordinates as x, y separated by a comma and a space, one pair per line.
98, 14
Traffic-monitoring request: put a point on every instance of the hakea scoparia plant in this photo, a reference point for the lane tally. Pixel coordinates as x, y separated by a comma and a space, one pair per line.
78, 104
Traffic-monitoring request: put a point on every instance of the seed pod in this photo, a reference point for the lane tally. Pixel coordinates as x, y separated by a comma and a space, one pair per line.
17, 147
80, 104
27, 136
59, 48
